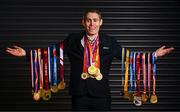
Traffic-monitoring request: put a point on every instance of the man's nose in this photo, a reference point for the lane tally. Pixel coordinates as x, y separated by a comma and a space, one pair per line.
91, 23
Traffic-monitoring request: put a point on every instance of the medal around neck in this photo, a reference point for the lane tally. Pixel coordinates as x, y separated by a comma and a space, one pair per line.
92, 70
99, 76
84, 75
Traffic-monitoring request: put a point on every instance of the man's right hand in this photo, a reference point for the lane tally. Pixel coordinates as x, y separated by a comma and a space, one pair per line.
16, 51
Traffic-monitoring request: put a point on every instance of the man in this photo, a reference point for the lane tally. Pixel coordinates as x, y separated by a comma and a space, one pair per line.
89, 89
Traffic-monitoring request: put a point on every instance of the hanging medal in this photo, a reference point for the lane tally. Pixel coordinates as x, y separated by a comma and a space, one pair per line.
40, 61
154, 96
50, 70
122, 69
36, 95
98, 75
32, 70
62, 84
144, 96
149, 74
91, 60
131, 94
47, 91
134, 73
54, 87
94, 68
137, 98
85, 75
126, 75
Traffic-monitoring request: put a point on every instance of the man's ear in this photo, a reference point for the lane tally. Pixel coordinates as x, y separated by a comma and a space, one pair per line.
101, 22
82, 22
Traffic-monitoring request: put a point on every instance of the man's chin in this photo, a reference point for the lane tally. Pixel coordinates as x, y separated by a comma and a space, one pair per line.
92, 33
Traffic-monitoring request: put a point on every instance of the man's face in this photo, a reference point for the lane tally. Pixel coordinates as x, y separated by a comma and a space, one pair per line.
92, 23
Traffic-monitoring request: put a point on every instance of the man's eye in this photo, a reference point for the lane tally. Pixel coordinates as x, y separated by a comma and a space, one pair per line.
95, 20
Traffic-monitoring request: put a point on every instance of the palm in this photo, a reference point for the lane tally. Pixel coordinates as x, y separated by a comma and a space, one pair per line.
162, 51
16, 51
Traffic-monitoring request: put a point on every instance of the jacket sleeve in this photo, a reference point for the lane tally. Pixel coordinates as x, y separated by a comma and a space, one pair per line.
67, 43
117, 49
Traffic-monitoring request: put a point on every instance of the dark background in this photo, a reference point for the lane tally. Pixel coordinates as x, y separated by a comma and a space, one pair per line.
142, 25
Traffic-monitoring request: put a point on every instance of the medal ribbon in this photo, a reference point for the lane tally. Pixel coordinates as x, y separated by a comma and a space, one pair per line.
154, 73
134, 70
138, 73
122, 67
85, 64
50, 65
55, 66
126, 70
149, 73
46, 80
131, 71
144, 72
61, 62
40, 67
36, 70
94, 52
32, 69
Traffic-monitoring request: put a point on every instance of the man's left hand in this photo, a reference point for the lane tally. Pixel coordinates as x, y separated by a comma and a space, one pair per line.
162, 51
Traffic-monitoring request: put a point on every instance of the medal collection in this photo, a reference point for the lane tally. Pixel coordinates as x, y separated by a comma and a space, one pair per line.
91, 61
46, 64
137, 67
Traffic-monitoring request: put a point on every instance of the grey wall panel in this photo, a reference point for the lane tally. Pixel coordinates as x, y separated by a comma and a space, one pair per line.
137, 24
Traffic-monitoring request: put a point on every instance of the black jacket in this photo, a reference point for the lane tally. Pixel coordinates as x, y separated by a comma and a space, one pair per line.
74, 50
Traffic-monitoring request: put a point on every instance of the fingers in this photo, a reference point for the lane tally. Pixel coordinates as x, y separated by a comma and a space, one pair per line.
11, 51
169, 50
163, 47
17, 47
17, 51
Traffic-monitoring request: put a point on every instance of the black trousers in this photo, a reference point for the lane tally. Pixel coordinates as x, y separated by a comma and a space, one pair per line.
91, 103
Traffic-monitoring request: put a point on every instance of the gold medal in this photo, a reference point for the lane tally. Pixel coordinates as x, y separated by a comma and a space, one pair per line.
131, 96
41, 92
153, 99
61, 85
84, 76
47, 95
92, 70
98, 75
54, 89
36, 96
126, 95
144, 97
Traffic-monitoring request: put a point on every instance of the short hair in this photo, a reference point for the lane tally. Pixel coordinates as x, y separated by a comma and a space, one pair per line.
92, 11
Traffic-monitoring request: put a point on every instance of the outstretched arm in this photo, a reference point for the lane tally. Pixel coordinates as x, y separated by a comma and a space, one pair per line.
16, 51
162, 51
